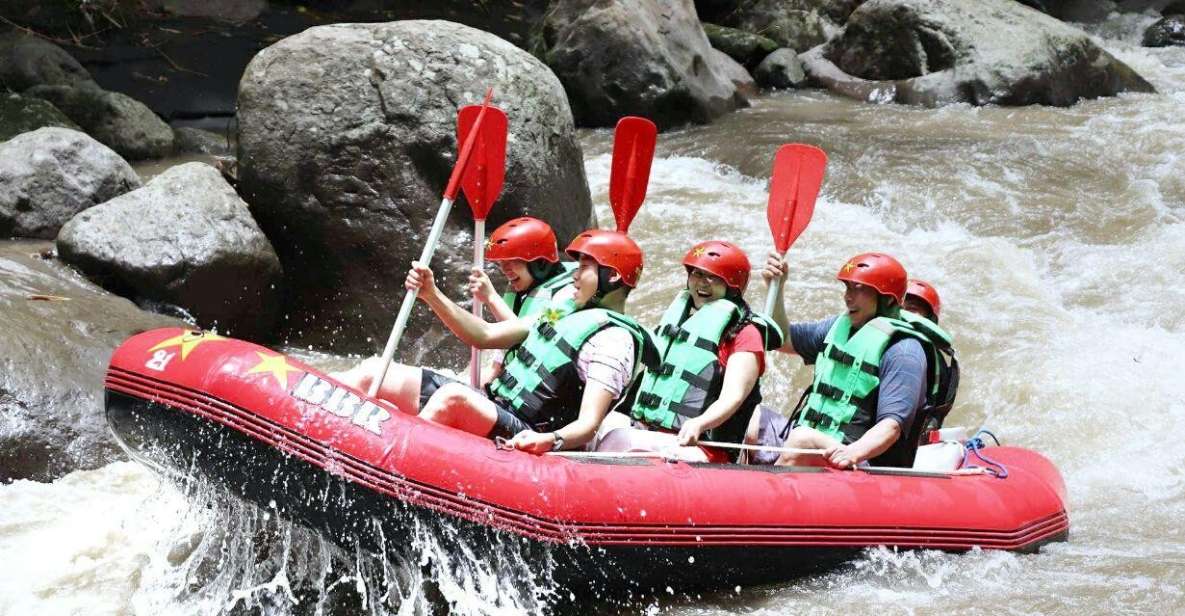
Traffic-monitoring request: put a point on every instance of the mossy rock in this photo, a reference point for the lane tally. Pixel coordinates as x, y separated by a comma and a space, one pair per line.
21, 114
744, 47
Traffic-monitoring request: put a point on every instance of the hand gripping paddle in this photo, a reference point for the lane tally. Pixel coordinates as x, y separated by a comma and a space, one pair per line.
446, 204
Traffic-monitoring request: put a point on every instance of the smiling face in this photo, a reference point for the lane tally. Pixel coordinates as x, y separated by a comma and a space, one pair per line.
585, 280
861, 302
518, 275
704, 287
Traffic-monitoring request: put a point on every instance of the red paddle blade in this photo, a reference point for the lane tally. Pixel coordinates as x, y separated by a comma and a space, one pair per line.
482, 178
633, 151
797, 176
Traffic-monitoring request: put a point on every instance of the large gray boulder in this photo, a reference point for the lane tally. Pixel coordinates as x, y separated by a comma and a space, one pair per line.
637, 57
117, 120
57, 330
185, 239
344, 156
975, 51
21, 114
49, 175
27, 61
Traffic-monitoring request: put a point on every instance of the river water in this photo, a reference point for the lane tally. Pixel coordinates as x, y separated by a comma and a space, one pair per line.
1057, 240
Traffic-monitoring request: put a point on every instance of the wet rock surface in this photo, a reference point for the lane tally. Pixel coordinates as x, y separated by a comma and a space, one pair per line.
974, 51
185, 239
116, 120
21, 114
344, 155
49, 175
1167, 31
646, 58
58, 333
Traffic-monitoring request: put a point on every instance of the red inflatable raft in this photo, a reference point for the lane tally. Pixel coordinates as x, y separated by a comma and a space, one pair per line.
272, 429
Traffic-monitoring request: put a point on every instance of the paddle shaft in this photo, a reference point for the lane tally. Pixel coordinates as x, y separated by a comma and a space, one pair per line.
771, 298
409, 300
479, 261
744, 447
446, 205
667, 453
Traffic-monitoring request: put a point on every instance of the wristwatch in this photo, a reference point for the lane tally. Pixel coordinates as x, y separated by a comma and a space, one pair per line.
558, 443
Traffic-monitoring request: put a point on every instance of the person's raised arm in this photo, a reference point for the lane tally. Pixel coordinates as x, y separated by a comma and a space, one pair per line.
483, 291
775, 268
470, 329
740, 375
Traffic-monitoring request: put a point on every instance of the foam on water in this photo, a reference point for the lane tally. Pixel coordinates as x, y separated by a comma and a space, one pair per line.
125, 542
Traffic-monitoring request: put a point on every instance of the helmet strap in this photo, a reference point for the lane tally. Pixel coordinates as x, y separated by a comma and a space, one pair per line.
541, 271
605, 285
887, 306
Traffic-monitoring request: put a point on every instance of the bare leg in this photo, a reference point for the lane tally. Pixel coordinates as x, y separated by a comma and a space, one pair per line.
460, 407
401, 386
803, 437
751, 433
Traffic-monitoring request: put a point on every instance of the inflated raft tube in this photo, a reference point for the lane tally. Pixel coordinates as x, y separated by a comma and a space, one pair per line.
282, 434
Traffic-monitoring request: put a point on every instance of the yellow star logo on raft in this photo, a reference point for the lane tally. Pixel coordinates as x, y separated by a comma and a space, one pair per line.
277, 365
188, 341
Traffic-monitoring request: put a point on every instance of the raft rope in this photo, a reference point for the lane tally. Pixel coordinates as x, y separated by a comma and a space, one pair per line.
975, 447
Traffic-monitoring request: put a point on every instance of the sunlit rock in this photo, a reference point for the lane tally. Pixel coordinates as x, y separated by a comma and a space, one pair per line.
645, 58
51, 174
346, 142
974, 51
185, 239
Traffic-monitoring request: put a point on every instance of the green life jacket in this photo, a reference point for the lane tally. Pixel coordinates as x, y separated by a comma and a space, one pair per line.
539, 381
690, 376
536, 299
842, 399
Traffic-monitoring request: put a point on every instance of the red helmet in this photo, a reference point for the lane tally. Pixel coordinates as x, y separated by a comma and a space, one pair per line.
523, 238
877, 270
723, 259
925, 292
612, 249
